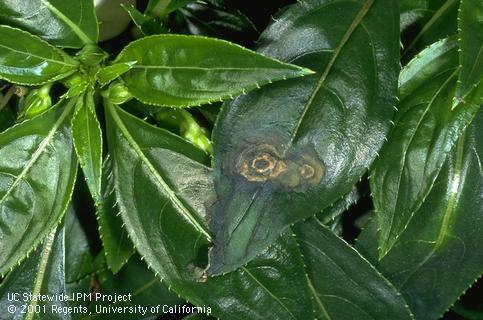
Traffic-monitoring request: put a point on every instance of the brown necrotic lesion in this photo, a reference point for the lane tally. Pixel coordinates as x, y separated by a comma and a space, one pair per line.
263, 163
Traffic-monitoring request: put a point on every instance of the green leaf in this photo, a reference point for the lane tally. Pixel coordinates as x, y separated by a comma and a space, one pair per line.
198, 316
438, 256
470, 20
107, 74
287, 151
160, 8
41, 274
79, 262
26, 59
117, 246
37, 173
205, 20
181, 71
425, 129
431, 19
65, 23
145, 289
87, 137
153, 166
344, 284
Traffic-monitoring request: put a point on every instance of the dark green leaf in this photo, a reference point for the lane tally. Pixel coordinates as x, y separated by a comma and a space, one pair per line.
204, 20
163, 192
181, 71
65, 23
146, 290
287, 151
425, 129
87, 137
343, 283
26, 59
146, 24
79, 261
160, 8
37, 173
471, 43
7, 118
438, 256
117, 246
41, 274
424, 22
198, 316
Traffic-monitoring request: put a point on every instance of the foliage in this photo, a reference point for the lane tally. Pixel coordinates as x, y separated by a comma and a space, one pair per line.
217, 180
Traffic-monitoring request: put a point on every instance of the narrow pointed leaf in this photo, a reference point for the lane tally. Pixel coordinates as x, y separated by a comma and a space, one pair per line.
343, 283
26, 59
117, 246
160, 8
153, 166
41, 274
287, 151
438, 256
37, 174
470, 23
65, 23
112, 72
425, 129
182, 71
87, 137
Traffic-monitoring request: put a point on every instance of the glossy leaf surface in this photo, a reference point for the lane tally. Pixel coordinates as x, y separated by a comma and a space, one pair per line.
117, 246
26, 59
37, 173
41, 274
65, 23
79, 262
181, 71
343, 283
87, 137
438, 256
471, 44
109, 73
425, 129
287, 151
426, 21
153, 166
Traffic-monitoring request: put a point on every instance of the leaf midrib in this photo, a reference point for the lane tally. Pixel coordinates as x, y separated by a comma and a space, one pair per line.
171, 195
39, 150
37, 56
355, 23
73, 26
384, 250
39, 279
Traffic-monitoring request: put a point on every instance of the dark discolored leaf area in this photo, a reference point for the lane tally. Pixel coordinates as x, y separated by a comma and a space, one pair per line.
43, 273
344, 284
65, 23
438, 256
26, 59
287, 151
182, 71
163, 191
37, 173
426, 127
